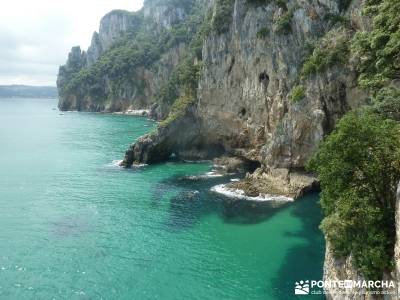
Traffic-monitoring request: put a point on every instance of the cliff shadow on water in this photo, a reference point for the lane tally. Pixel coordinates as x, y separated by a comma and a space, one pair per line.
305, 261
190, 201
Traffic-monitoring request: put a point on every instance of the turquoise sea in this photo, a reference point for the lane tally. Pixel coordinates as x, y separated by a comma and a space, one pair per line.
73, 225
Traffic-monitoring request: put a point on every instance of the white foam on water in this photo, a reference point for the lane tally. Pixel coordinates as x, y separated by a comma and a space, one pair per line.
117, 163
211, 174
133, 112
138, 165
239, 194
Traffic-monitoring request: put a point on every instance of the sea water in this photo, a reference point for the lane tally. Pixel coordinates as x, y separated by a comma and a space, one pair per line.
74, 225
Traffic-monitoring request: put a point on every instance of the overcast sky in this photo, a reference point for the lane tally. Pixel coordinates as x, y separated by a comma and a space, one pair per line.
36, 35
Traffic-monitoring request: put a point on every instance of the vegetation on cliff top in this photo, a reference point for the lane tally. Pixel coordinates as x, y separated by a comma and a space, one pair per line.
379, 50
359, 163
359, 168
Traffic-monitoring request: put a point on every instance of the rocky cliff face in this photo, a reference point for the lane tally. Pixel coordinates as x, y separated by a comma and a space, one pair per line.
163, 14
131, 57
112, 27
244, 105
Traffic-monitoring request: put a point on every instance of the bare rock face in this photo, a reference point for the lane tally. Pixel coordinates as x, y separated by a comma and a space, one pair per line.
243, 93
246, 81
243, 102
112, 27
341, 269
163, 14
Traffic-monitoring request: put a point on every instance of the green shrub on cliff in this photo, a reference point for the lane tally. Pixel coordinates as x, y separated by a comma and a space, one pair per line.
284, 22
184, 78
359, 168
262, 33
387, 103
359, 162
297, 93
326, 55
379, 49
222, 18
344, 4
178, 109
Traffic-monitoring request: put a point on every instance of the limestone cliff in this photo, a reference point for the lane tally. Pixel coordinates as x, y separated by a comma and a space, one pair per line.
129, 60
250, 70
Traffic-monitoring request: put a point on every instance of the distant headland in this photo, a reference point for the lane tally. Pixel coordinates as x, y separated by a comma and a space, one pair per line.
26, 91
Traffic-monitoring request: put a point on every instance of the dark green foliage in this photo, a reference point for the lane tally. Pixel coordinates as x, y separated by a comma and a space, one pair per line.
326, 55
371, 7
223, 16
178, 109
202, 29
184, 79
334, 18
379, 49
118, 65
284, 22
279, 3
297, 94
258, 2
387, 103
359, 163
344, 4
262, 33
359, 168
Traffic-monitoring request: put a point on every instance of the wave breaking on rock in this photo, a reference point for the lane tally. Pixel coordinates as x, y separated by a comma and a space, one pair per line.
226, 191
